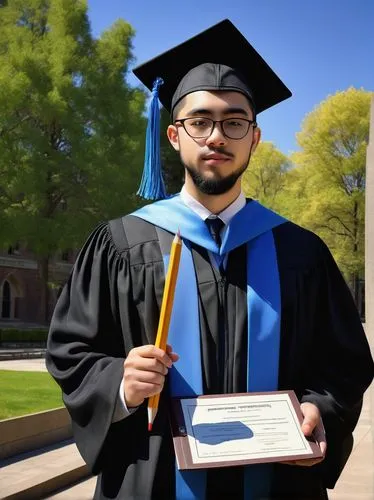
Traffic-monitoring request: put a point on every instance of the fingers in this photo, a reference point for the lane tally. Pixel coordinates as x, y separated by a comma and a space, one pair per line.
312, 424
139, 367
146, 364
304, 463
139, 385
173, 356
151, 351
320, 437
311, 418
145, 369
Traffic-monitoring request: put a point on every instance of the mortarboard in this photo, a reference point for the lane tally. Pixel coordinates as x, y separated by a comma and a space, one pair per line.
219, 58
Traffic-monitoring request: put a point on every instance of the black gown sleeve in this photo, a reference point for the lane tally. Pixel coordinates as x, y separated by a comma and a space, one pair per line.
86, 349
340, 366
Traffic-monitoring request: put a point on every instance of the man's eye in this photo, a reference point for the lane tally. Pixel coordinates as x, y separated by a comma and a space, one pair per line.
199, 123
235, 123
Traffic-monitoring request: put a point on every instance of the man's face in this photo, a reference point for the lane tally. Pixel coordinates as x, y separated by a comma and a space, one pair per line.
215, 163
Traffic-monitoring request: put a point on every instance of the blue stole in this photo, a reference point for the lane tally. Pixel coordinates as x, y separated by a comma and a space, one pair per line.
251, 225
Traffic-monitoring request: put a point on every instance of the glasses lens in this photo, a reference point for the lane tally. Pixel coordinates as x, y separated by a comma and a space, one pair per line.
235, 128
198, 127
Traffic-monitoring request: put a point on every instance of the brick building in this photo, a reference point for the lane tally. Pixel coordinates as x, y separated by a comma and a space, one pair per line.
21, 287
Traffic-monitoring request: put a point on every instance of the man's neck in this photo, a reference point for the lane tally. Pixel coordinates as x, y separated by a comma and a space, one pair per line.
214, 203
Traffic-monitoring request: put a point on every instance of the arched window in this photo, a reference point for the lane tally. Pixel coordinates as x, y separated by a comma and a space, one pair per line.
6, 300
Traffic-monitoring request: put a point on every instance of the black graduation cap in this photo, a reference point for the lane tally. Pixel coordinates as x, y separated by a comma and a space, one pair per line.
219, 58
222, 44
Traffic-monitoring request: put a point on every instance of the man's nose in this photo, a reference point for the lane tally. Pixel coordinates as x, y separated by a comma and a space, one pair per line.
216, 138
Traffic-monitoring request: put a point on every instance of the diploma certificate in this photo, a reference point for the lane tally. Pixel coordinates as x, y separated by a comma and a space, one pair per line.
216, 431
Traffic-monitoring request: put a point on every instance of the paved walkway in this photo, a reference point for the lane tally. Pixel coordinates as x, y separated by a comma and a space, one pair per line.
357, 480
83, 490
24, 365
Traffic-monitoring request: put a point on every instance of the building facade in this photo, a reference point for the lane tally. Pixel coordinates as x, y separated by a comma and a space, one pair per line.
21, 286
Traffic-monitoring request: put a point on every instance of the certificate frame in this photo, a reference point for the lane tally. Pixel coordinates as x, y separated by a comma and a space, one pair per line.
182, 440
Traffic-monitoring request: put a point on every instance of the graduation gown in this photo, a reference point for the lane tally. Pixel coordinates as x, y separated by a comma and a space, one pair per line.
111, 304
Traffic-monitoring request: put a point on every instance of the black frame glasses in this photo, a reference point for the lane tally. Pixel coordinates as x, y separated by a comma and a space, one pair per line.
232, 128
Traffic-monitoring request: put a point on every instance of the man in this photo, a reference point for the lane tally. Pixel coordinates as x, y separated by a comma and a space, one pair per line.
261, 304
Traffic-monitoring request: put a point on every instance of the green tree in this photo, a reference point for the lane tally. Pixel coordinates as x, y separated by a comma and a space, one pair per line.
71, 129
265, 178
330, 183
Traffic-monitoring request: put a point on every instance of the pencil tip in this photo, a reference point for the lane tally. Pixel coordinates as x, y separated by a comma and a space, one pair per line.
149, 427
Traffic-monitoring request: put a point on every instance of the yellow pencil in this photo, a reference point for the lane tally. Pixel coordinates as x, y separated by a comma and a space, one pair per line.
165, 314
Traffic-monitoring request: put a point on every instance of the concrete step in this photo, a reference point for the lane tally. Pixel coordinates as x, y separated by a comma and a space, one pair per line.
31, 353
84, 490
34, 431
33, 475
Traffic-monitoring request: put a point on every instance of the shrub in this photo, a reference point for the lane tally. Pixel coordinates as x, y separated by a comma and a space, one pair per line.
15, 335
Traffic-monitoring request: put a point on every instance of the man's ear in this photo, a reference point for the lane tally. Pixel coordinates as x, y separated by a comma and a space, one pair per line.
172, 133
256, 139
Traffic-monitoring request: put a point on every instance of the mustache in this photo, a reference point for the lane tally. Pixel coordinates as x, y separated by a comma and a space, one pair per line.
217, 150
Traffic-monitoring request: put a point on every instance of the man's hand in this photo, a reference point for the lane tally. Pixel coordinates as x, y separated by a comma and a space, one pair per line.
145, 369
312, 424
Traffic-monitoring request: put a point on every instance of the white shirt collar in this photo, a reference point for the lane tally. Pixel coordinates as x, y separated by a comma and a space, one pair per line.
226, 215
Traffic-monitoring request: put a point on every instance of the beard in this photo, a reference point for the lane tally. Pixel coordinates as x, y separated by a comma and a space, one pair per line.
214, 186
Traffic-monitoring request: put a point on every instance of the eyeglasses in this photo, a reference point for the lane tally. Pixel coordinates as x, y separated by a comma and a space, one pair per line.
202, 128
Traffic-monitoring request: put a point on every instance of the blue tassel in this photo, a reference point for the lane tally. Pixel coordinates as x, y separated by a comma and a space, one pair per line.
152, 186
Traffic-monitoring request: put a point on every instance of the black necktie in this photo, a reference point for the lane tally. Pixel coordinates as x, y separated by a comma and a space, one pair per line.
215, 224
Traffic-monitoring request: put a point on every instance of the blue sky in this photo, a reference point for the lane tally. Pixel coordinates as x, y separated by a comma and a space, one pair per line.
317, 47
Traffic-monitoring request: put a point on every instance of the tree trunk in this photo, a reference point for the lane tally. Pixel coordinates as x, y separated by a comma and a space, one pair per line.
43, 265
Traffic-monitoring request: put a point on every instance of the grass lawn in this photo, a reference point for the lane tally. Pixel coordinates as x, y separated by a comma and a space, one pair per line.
27, 392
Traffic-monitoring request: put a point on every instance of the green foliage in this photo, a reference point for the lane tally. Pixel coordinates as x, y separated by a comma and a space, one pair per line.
325, 189
266, 175
16, 335
22, 393
71, 129
329, 180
